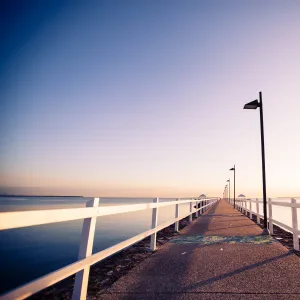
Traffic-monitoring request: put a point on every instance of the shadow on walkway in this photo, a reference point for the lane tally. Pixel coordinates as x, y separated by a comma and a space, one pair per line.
195, 271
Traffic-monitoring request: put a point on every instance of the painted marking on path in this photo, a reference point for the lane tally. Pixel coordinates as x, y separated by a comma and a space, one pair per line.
206, 240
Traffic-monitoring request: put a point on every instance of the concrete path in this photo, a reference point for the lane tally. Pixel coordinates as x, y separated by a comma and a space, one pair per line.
222, 255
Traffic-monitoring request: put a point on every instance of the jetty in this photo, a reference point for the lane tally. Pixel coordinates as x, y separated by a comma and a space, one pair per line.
221, 254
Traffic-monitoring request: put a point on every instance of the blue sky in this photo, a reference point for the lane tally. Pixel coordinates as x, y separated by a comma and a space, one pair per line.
145, 98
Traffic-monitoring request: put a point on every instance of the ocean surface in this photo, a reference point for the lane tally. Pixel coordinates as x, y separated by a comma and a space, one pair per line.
28, 253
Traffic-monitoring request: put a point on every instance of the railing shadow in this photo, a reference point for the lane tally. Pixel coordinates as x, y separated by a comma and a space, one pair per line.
235, 272
134, 291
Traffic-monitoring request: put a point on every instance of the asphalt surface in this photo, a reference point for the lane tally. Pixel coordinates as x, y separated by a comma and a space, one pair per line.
221, 255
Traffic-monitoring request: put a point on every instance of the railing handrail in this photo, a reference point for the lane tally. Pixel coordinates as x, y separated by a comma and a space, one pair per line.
277, 203
241, 205
10, 220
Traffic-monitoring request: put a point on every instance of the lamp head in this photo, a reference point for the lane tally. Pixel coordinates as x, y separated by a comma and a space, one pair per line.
232, 169
252, 105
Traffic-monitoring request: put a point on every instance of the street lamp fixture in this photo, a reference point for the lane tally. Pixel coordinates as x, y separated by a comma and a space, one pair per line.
233, 169
254, 105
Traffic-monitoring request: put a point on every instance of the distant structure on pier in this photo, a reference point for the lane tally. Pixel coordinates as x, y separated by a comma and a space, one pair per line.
202, 196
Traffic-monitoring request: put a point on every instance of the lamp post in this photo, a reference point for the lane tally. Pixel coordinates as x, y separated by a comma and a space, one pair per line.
229, 187
226, 191
233, 169
254, 105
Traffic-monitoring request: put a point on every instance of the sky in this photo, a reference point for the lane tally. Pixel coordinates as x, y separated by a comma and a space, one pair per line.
145, 98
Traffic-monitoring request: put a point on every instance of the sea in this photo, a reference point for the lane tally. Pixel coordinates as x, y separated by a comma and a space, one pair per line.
29, 253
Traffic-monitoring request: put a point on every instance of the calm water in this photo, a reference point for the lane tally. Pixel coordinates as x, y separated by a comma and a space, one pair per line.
28, 253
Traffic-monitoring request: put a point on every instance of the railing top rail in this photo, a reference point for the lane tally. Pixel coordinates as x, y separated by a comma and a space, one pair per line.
285, 203
9, 220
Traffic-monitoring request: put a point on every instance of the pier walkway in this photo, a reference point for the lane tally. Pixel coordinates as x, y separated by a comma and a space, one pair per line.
222, 255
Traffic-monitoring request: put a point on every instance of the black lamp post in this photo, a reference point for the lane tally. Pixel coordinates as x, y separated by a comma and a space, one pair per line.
254, 105
229, 187
233, 169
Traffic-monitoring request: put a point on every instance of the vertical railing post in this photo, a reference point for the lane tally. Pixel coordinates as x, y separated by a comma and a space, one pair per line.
197, 211
85, 250
176, 216
295, 224
257, 212
154, 225
250, 209
270, 216
191, 212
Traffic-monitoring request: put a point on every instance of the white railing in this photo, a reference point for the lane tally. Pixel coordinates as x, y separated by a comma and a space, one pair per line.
241, 205
81, 267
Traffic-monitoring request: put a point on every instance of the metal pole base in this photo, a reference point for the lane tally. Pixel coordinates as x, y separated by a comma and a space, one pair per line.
265, 231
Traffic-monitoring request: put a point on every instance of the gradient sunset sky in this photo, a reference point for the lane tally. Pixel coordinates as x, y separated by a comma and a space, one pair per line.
145, 98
